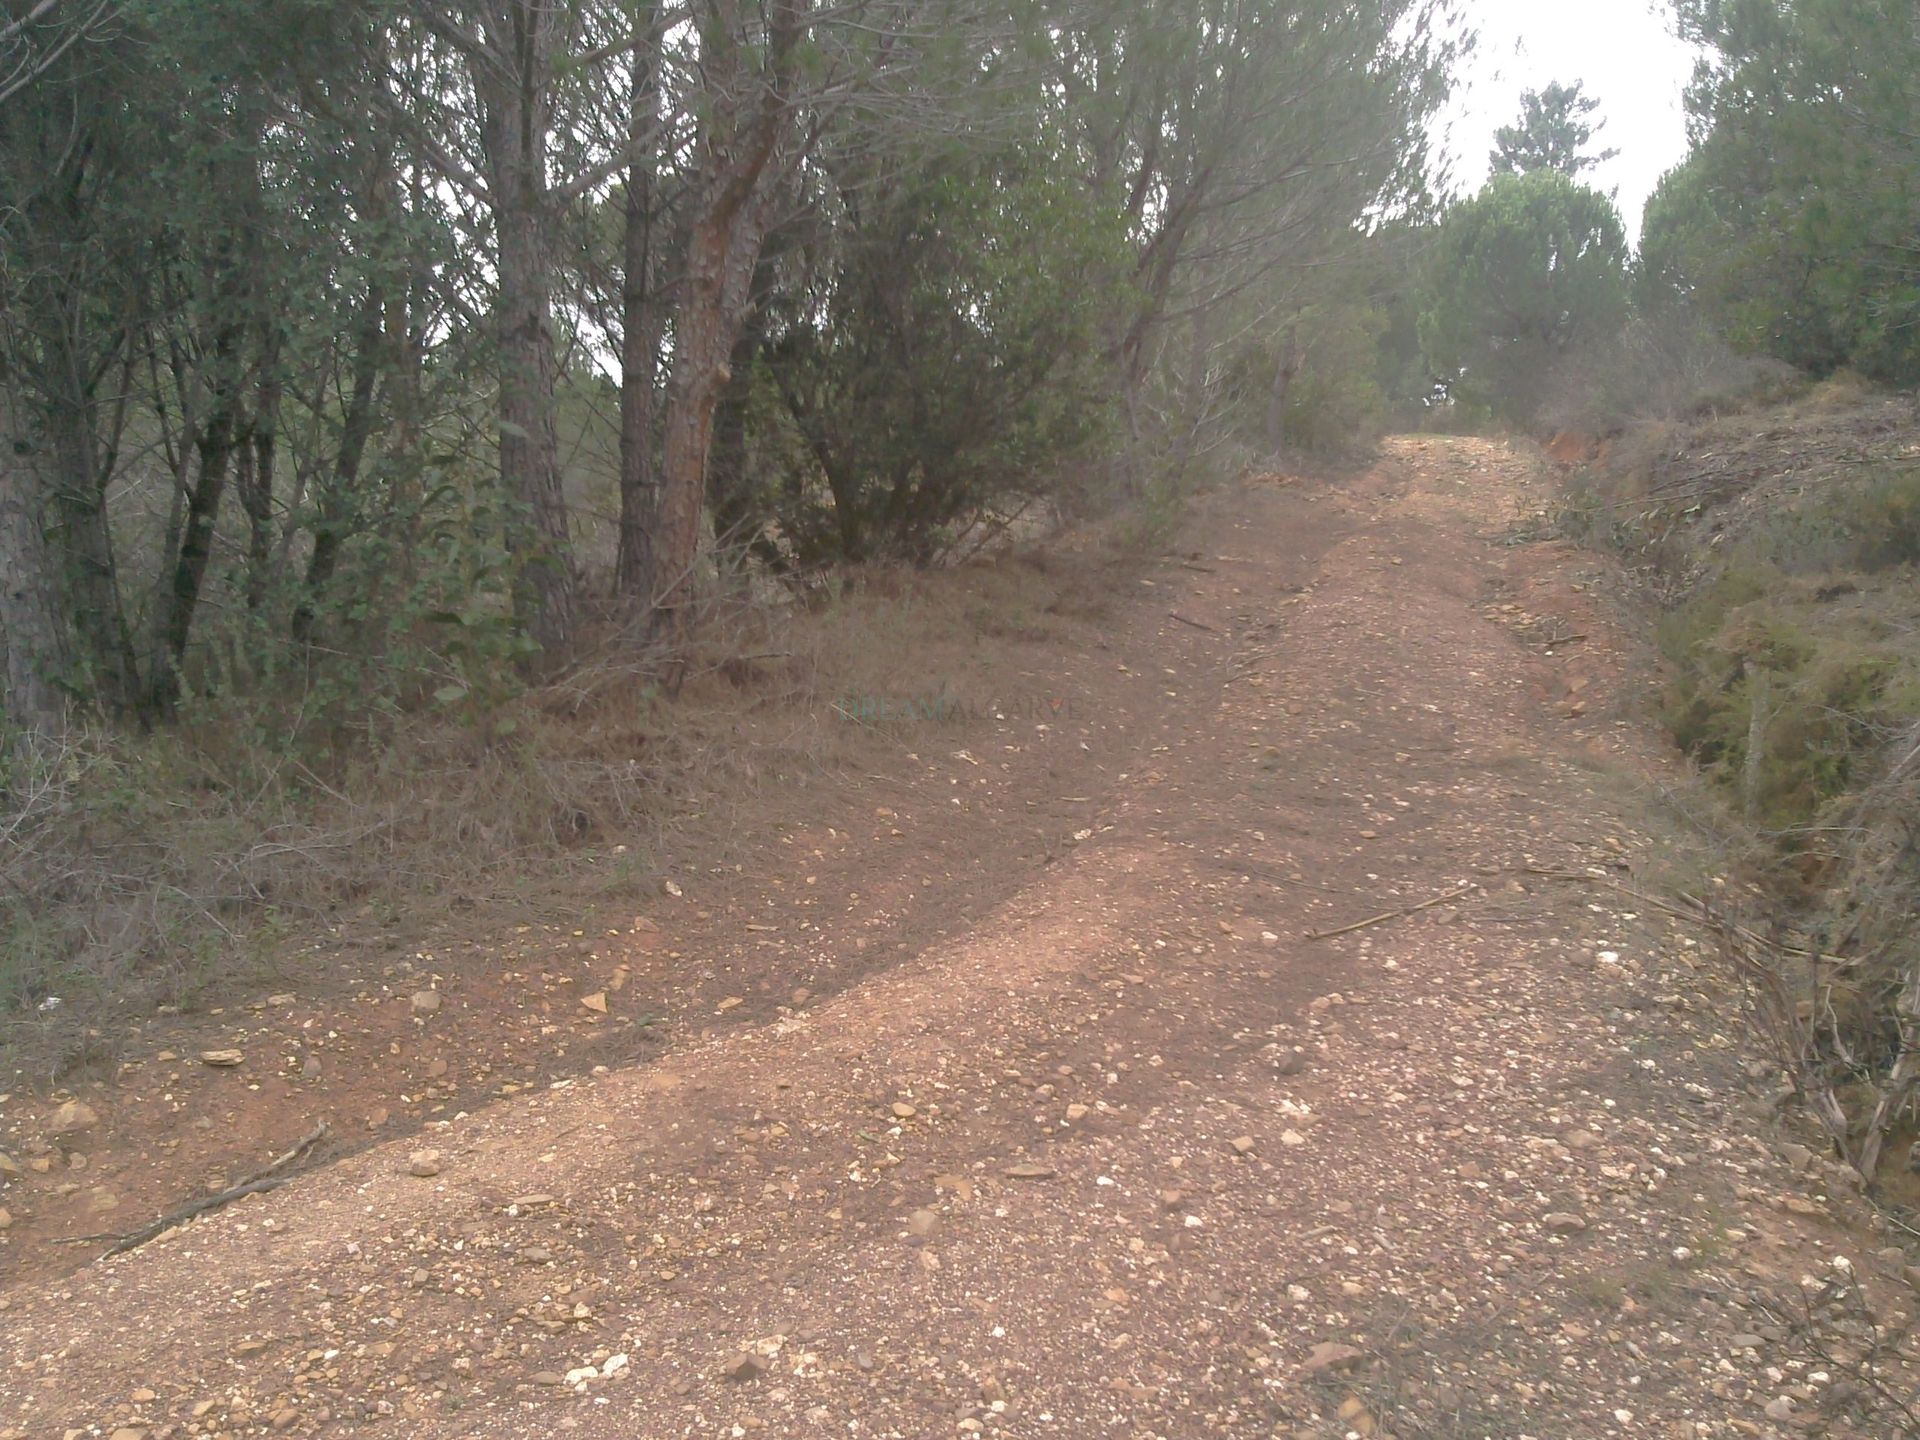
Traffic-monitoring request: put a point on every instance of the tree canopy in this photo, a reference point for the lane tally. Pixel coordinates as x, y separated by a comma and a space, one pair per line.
372, 350
1552, 133
1794, 225
1520, 277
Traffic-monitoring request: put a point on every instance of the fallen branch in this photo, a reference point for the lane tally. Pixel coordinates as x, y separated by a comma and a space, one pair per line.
1400, 914
1584, 877
1196, 624
269, 1177
1701, 912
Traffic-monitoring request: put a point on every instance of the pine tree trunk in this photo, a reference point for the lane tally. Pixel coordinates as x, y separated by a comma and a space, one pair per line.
32, 627
734, 205
641, 323
102, 642
1283, 376
721, 252
237, 316
703, 339
515, 91
529, 441
257, 477
329, 531
728, 485
214, 450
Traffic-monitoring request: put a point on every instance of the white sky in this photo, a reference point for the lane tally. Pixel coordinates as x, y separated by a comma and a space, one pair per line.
1625, 54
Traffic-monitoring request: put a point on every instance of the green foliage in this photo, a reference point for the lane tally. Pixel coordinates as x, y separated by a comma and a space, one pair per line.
1522, 276
1345, 364
1793, 224
1246, 143
1866, 527
1776, 652
1817, 705
1336, 402
1397, 256
252, 254
1682, 234
1553, 130
946, 357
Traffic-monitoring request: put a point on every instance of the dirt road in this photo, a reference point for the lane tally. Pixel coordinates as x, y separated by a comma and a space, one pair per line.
1131, 1152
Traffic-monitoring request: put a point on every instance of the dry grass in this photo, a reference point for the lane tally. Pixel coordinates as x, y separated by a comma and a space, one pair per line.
154, 871
1666, 486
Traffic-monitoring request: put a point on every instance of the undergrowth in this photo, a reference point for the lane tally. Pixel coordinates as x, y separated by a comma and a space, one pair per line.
1795, 662
1784, 546
161, 870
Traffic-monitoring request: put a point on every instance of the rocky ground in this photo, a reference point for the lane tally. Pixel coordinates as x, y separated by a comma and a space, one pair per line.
1275, 1031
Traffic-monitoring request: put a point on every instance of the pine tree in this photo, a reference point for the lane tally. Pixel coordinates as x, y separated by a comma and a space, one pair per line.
1552, 133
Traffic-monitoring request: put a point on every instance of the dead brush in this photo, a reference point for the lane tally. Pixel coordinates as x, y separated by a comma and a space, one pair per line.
1782, 541
1841, 1009
1830, 1327
138, 877
144, 870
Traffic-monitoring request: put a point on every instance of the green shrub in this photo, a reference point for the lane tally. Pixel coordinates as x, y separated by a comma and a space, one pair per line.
1783, 694
1890, 522
1868, 526
1783, 698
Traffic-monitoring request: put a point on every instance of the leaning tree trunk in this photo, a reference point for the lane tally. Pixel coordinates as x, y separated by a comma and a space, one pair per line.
704, 333
214, 449
330, 529
257, 464
32, 627
238, 306
734, 208
735, 519
715, 291
1154, 271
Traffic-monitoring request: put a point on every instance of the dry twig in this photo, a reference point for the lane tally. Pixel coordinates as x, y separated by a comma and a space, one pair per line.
1400, 914
269, 1177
